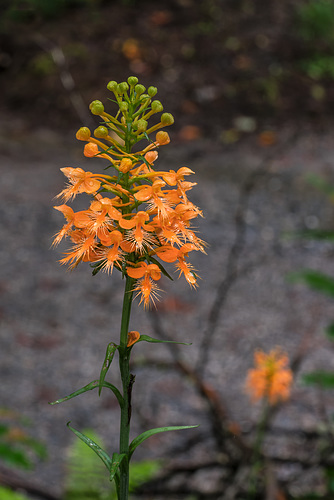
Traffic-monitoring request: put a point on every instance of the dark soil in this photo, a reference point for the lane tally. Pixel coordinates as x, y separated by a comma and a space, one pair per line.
224, 67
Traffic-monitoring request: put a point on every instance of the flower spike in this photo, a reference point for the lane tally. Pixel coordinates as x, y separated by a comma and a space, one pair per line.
139, 215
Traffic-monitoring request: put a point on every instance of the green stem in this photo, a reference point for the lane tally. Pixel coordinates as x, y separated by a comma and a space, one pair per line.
124, 356
256, 461
127, 381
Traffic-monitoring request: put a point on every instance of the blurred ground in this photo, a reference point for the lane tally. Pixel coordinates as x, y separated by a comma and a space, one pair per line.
251, 123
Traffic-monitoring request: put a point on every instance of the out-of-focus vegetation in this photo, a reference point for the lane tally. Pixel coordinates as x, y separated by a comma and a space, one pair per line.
17, 447
315, 26
264, 63
8, 494
86, 478
322, 283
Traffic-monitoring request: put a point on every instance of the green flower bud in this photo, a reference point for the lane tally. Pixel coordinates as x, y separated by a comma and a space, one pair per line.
101, 132
167, 119
144, 96
152, 91
83, 134
112, 86
96, 107
141, 125
157, 107
140, 89
122, 87
132, 81
123, 106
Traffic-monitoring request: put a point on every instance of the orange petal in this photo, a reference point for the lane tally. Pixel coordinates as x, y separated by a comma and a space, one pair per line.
133, 337
137, 272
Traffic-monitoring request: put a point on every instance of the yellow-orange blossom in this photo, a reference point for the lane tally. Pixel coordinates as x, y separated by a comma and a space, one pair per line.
136, 218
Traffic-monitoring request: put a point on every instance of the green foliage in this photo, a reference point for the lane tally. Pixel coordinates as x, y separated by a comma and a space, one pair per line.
315, 280
324, 284
7, 494
321, 184
323, 379
42, 65
315, 20
86, 479
330, 331
315, 26
16, 446
319, 66
330, 479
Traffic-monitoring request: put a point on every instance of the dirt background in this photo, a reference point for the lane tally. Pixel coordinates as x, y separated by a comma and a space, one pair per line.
251, 122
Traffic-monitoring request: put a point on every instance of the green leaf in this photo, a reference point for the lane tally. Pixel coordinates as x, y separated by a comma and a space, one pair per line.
315, 280
111, 348
94, 446
89, 387
321, 378
330, 331
14, 456
116, 461
146, 338
139, 439
85, 477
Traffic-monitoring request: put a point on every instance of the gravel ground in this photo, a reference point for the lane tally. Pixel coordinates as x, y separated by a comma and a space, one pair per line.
55, 324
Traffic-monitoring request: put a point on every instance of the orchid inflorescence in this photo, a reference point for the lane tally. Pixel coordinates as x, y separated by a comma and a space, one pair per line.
271, 379
138, 217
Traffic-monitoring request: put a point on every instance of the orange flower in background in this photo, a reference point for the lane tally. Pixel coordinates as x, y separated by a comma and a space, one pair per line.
271, 378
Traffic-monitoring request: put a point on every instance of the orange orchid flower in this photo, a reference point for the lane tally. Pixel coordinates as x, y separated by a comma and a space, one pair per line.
145, 287
77, 219
172, 178
79, 182
139, 234
155, 197
110, 253
84, 246
271, 378
169, 253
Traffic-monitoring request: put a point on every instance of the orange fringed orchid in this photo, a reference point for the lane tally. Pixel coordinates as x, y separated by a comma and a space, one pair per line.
271, 378
139, 218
